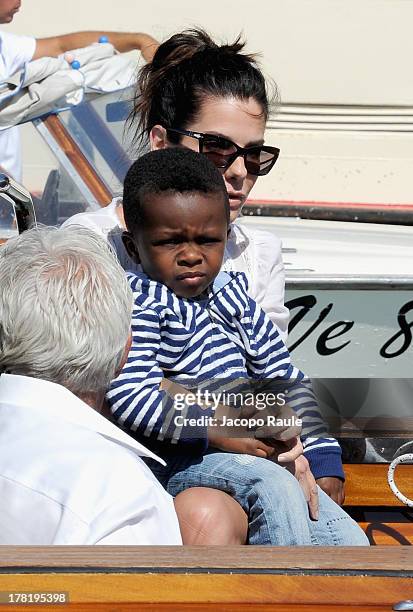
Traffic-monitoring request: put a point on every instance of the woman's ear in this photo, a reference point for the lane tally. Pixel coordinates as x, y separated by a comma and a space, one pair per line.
130, 246
158, 138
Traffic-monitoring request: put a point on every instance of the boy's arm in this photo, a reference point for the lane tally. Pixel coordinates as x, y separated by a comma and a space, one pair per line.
322, 451
269, 358
135, 397
324, 457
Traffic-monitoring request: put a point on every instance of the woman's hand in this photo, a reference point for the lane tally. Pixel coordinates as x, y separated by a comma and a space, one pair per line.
301, 470
290, 455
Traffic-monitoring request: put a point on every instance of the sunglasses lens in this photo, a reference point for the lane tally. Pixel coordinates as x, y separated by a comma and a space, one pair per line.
223, 152
259, 161
219, 151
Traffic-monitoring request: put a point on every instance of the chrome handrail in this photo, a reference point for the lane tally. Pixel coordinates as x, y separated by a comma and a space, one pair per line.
21, 201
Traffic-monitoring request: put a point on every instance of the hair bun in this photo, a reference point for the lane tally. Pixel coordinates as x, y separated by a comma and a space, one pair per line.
186, 69
182, 46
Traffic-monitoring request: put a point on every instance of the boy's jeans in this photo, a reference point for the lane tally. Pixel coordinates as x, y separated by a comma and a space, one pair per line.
269, 494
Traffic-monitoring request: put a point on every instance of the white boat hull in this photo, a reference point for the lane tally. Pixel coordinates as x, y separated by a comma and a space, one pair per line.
349, 288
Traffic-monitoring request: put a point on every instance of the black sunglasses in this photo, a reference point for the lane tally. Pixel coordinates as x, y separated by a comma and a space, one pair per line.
223, 152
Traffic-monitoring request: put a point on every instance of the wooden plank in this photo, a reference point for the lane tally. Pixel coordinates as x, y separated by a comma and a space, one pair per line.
216, 588
389, 534
210, 558
399, 214
205, 607
366, 484
199, 607
78, 160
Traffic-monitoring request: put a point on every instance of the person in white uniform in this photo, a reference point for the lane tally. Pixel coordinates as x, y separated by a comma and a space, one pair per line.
67, 474
16, 51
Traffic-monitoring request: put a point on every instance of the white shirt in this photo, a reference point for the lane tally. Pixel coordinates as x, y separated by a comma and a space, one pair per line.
255, 252
69, 476
258, 254
15, 52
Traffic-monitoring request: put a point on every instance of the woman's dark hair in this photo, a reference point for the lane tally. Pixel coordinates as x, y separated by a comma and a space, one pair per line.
185, 68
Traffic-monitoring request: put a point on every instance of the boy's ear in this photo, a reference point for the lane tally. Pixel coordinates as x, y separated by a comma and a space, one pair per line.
130, 246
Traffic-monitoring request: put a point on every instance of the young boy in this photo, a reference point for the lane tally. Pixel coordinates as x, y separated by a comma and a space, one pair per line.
194, 324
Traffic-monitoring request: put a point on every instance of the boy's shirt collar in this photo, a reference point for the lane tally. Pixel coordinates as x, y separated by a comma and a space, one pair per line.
149, 286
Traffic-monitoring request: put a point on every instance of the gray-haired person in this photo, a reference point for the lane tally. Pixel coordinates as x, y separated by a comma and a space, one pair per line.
66, 472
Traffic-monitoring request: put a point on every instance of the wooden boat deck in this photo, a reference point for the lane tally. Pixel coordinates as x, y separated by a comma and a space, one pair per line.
366, 484
384, 518
212, 578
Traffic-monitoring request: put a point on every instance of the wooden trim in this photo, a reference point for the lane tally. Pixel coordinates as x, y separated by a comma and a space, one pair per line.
366, 484
388, 534
205, 607
202, 607
88, 174
373, 206
138, 559
218, 589
398, 214
187, 578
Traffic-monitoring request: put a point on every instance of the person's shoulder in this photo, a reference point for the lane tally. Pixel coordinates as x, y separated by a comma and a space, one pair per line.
16, 50
261, 238
95, 471
113, 477
74, 473
10, 38
101, 221
263, 250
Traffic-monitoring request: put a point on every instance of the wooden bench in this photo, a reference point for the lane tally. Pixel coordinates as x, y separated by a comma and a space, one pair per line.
369, 500
211, 578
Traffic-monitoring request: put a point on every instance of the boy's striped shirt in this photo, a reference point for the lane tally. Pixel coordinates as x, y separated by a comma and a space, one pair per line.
220, 339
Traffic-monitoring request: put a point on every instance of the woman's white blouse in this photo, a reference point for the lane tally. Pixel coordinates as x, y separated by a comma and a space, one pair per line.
258, 254
255, 252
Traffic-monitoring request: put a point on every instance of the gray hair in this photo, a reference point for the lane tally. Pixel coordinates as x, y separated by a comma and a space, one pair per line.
65, 308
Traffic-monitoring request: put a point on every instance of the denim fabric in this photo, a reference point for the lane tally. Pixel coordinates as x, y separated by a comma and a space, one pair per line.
269, 494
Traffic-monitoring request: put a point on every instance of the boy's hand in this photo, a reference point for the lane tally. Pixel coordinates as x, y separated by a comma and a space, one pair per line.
334, 487
287, 431
288, 451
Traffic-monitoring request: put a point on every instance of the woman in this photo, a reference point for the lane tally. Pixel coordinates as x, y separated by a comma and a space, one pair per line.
213, 99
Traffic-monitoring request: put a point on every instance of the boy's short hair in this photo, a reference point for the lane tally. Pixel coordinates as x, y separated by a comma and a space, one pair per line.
169, 170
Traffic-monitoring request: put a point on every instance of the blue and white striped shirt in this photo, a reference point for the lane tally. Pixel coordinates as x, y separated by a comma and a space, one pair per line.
222, 338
